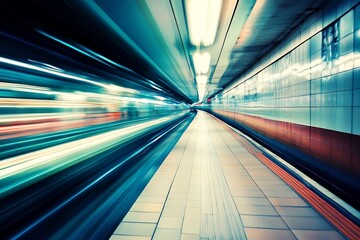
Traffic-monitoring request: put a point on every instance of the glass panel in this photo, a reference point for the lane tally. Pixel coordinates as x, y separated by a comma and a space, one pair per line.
357, 78
345, 81
347, 24
357, 39
356, 98
357, 17
346, 44
356, 120
315, 43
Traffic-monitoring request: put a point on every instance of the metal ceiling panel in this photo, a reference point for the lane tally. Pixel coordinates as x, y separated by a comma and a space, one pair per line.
267, 24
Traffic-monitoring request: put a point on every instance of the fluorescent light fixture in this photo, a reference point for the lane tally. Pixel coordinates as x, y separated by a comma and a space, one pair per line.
201, 62
201, 80
203, 19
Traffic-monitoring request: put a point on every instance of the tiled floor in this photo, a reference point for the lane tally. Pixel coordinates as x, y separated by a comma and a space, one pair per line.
211, 187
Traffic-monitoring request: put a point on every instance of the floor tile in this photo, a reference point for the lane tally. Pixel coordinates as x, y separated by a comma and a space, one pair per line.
263, 222
298, 202
193, 203
127, 237
297, 211
192, 213
176, 203
279, 194
150, 199
156, 192
268, 234
193, 196
189, 237
247, 193
314, 223
178, 196
170, 222
317, 235
145, 217
177, 212
257, 210
181, 190
262, 201
191, 226
166, 234
146, 207
261, 183
135, 229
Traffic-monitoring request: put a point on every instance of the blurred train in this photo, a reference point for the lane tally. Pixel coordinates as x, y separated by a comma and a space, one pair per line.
21, 117
27, 109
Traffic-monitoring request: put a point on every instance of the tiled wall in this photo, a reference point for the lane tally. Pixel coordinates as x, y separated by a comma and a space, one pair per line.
305, 85
305, 94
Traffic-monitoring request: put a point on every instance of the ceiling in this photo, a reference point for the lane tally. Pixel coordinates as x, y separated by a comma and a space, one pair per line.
145, 42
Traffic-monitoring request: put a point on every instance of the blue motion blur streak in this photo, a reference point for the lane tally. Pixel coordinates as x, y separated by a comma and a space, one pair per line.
91, 53
60, 74
93, 183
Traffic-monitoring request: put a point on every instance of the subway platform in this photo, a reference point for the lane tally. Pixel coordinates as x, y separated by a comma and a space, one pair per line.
216, 184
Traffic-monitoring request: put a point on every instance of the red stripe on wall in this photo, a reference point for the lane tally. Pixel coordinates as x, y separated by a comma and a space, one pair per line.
338, 149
